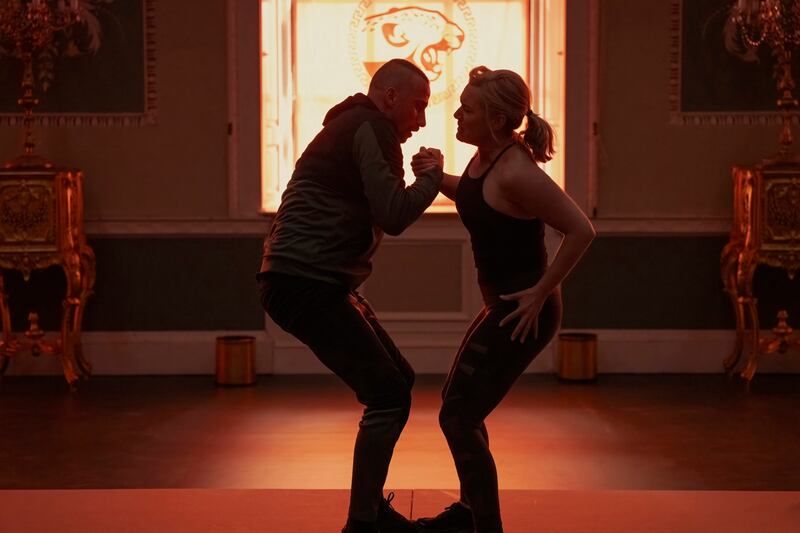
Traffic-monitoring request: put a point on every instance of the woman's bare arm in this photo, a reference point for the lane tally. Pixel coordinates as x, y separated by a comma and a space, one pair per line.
532, 190
449, 185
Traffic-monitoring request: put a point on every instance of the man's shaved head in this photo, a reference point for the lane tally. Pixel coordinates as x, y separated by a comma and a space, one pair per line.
400, 90
397, 73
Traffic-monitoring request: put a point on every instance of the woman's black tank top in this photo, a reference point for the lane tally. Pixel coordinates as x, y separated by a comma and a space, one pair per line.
509, 252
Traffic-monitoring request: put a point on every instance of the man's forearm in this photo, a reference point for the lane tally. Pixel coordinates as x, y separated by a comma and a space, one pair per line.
404, 205
394, 206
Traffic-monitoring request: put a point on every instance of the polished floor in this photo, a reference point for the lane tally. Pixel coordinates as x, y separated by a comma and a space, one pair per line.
323, 511
624, 432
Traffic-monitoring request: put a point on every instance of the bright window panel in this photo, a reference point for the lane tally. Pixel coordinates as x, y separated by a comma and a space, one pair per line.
335, 45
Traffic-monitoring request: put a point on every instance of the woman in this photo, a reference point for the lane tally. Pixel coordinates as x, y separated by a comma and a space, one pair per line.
504, 199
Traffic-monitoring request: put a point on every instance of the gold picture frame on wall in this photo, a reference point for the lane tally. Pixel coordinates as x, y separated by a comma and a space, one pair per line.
713, 79
98, 72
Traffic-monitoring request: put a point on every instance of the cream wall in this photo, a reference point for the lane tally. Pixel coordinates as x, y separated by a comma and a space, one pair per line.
424, 286
648, 168
178, 167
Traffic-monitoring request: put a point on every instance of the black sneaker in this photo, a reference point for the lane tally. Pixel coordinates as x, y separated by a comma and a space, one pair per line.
454, 519
390, 521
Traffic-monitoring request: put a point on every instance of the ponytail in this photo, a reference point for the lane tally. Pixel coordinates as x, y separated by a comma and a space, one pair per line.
539, 138
504, 92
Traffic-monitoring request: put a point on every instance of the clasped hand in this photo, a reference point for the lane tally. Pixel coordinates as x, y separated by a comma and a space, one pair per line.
426, 159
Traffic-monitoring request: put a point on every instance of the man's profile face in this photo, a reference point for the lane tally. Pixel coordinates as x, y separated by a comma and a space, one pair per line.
408, 112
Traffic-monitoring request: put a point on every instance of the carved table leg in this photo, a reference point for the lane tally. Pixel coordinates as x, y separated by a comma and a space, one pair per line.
732, 360
729, 262
755, 344
71, 303
67, 354
6, 319
87, 284
84, 366
744, 277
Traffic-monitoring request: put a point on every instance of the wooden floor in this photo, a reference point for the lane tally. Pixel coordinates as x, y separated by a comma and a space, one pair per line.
323, 511
625, 432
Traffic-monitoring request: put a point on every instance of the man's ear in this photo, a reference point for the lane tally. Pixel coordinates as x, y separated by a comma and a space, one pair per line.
390, 97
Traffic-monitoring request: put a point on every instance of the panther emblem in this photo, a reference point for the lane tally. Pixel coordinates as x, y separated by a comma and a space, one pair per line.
422, 36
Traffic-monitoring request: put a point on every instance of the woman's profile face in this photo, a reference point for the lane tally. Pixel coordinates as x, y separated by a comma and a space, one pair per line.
471, 117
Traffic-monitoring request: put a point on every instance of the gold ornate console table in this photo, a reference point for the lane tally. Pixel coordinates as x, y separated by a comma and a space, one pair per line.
41, 225
765, 230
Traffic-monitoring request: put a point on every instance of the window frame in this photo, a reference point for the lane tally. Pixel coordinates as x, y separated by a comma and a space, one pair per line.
546, 62
244, 128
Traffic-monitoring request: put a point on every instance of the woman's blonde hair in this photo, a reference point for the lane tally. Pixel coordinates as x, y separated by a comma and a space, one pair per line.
504, 92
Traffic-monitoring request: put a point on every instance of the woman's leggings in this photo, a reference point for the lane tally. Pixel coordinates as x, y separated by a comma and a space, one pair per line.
486, 366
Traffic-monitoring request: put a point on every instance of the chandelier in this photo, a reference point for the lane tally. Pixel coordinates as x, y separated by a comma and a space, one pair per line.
776, 24
27, 29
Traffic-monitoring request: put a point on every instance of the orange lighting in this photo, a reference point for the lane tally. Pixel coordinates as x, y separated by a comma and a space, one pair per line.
315, 53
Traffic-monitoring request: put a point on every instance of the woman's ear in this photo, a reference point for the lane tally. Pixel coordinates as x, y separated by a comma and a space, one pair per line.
498, 122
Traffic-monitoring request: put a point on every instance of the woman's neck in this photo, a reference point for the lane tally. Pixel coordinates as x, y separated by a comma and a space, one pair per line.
489, 150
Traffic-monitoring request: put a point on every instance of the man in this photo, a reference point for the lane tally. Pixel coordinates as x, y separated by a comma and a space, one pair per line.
346, 191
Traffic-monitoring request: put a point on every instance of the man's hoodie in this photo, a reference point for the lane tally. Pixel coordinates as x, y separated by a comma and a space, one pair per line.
347, 189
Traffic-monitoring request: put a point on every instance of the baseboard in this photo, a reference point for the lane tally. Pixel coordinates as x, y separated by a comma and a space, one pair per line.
429, 349
147, 352
619, 351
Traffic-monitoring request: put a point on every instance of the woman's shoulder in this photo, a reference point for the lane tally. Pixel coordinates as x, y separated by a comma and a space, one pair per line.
518, 165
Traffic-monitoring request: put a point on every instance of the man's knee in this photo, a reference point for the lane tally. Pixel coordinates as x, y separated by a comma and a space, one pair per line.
400, 400
388, 411
408, 374
386, 387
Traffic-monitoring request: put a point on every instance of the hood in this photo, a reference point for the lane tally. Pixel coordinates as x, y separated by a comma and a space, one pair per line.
357, 100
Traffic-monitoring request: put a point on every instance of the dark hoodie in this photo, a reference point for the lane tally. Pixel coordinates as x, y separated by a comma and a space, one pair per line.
347, 189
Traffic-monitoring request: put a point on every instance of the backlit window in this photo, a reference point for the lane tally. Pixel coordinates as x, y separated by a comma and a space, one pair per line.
316, 53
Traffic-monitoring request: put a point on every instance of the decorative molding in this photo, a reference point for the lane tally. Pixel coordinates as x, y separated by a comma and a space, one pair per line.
428, 347
430, 228
244, 104
431, 233
232, 28
148, 117
699, 118
177, 227
662, 226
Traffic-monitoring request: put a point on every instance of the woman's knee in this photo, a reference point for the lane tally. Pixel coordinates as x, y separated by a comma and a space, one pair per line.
451, 422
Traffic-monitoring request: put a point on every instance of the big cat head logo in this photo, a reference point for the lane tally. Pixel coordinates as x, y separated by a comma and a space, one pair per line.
422, 36
426, 37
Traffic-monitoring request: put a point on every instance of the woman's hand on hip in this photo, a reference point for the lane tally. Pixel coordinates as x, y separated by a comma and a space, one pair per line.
529, 304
